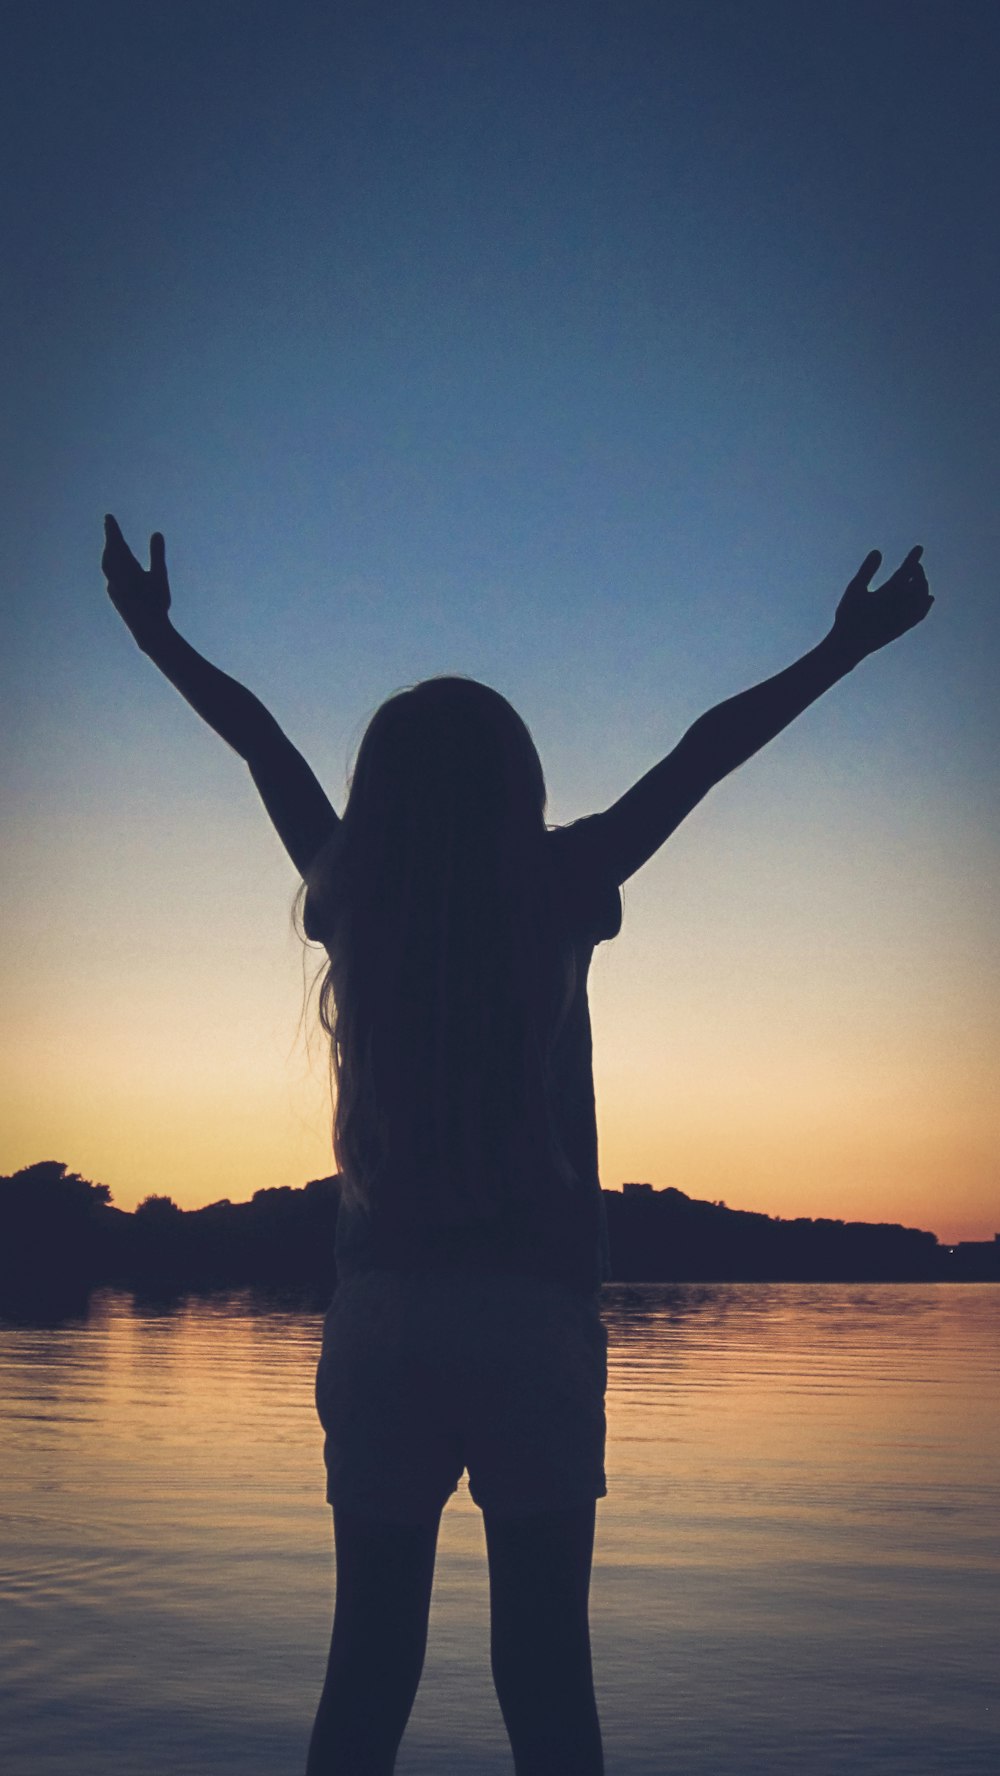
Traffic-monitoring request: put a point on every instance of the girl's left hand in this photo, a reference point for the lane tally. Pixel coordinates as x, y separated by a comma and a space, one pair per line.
140, 596
868, 620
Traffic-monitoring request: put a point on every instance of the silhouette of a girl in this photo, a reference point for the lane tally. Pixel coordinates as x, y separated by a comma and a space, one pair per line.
465, 1328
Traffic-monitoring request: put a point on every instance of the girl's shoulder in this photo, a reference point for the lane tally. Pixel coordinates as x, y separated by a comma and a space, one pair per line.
322, 885
585, 880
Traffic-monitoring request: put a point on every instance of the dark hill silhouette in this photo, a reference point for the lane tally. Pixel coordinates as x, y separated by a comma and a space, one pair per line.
61, 1234
663, 1233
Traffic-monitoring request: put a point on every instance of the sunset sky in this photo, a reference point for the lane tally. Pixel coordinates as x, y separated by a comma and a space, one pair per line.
582, 348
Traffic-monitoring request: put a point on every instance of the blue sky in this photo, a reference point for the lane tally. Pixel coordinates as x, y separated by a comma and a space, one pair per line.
585, 349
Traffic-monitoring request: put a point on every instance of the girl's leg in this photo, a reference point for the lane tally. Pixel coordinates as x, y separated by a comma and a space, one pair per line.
384, 1576
540, 1639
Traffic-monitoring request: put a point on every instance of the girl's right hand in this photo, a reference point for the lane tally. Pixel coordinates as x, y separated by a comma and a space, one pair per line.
140, 596
868, 620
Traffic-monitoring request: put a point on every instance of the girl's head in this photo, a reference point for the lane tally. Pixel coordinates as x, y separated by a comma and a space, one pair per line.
446, 976
449, 749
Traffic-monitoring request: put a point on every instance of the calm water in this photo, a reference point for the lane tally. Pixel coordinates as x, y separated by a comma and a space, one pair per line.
797, 1568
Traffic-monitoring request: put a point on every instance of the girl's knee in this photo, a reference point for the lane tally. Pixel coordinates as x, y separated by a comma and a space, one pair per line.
539, 1624
540, 1565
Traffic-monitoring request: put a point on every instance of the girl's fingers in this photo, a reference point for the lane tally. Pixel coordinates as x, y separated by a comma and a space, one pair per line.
909, 575
870, 565
157, 554
116, 542
910, 568
116, 548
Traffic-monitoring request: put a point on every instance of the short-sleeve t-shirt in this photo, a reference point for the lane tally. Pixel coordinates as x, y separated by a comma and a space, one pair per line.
562, 1235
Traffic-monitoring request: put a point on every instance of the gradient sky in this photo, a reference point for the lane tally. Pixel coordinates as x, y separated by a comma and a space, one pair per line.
583, 348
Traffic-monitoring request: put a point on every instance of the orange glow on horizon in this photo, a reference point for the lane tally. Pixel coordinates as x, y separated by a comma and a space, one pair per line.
813, 1038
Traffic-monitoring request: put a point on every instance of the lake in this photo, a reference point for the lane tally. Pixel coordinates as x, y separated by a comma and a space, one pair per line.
797, 1567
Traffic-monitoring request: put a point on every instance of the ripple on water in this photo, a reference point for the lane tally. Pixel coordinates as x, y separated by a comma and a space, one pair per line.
797, 1566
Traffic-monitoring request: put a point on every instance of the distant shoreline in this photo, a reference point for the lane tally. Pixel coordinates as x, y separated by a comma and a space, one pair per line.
60, 1234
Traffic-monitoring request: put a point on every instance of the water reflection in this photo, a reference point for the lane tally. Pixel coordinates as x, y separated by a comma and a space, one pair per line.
796, 1566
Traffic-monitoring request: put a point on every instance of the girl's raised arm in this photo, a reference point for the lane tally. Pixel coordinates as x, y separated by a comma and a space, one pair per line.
628, 833
298, 806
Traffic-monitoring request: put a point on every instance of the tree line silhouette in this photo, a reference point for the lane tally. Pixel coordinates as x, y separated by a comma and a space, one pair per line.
61, 1234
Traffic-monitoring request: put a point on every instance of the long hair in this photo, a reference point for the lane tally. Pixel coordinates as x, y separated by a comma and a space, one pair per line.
449, 971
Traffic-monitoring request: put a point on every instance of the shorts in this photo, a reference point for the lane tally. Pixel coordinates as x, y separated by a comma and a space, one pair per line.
425, 1375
